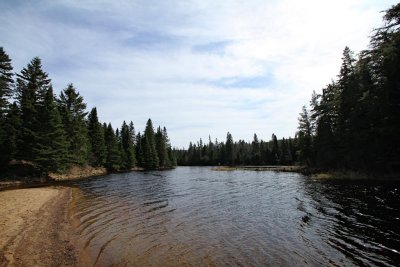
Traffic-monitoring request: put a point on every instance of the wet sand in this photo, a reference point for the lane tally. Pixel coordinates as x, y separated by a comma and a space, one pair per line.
34, 228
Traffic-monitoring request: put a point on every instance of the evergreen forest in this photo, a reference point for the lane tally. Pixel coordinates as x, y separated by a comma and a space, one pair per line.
52, 133
353, 124
256, 153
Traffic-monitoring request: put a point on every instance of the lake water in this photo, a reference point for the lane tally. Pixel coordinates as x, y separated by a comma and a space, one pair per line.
194, 216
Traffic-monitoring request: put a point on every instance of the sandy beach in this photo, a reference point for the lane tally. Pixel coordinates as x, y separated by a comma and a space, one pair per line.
34, 228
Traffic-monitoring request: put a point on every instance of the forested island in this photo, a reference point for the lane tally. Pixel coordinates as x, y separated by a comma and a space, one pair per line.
47, 133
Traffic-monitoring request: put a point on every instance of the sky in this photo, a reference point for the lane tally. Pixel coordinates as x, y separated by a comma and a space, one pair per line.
201, 67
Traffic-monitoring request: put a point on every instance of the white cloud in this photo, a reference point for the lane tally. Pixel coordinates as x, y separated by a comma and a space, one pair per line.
136, 59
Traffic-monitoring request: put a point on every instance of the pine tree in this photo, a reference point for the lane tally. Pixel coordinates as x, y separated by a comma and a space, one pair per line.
32, 85
73, 111
96, 138
150, 156
50, 150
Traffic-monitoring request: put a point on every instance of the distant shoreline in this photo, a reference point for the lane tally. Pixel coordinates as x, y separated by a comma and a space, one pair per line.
316, 173
292, 168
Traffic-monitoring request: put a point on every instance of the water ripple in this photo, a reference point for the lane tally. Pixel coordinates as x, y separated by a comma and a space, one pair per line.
198, 217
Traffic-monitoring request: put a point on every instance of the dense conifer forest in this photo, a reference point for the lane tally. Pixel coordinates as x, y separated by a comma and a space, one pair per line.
258, 152
354, 124
53, 133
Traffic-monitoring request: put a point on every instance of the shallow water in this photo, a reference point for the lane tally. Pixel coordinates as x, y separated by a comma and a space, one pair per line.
194, 216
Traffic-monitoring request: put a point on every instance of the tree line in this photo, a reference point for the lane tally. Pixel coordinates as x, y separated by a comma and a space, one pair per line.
355, 122
258, 152
55, 132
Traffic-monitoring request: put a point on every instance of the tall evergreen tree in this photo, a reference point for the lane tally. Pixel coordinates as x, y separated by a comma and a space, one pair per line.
113, 155
150, 156
161, 148
6, 81
73, 111
229, 153
32, 85
133, 133
50, 149
6, 86
127, 147
274, 149
96, 138
170, 160
346, 101
11, 127
305, 138
139, 150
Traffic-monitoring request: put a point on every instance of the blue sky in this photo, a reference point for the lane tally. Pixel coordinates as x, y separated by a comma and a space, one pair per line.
198, 67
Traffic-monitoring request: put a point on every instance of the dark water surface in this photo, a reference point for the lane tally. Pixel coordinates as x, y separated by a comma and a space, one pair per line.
194, 216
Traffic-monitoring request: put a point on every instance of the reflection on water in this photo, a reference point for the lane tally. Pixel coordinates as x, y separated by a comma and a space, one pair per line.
195, 216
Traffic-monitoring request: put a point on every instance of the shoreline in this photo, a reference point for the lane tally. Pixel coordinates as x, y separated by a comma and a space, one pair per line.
317, 174
35, 228
292, 168
10, 181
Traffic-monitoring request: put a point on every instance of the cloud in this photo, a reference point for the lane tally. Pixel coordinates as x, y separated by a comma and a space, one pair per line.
198, 67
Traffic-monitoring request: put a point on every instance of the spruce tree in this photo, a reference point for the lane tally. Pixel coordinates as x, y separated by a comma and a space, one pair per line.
6, 81
346, 102
127, 147
305, 138
6, 86
169, 158
139, 150
32, 85
133, 133
11, 127
113, 155
50, 149
150, 157
73, 111
97, 156
161, 148
229, 153
274, 150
